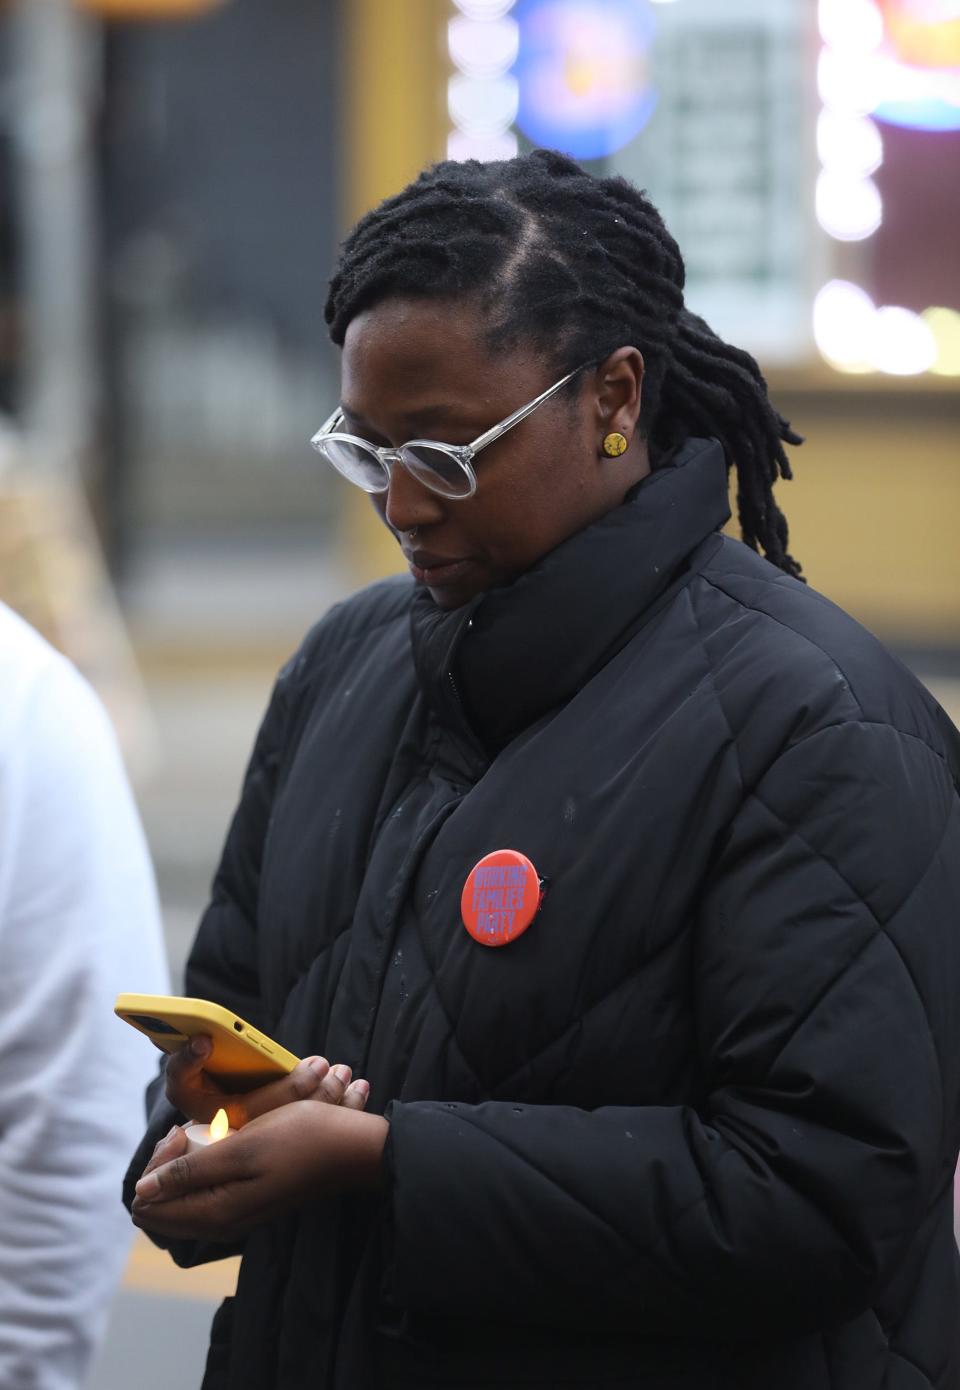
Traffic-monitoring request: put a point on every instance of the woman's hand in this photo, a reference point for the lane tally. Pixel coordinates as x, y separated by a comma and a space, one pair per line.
279, 1161
195, 1094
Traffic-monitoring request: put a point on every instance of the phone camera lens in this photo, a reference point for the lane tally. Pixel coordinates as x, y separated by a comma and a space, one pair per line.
154, 1025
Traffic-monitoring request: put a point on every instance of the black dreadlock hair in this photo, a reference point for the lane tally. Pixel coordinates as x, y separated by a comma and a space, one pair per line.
576, 266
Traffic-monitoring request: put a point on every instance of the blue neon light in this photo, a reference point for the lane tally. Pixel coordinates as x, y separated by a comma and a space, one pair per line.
930, 113
583, 73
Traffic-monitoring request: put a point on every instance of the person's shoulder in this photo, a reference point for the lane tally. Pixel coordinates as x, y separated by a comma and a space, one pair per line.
42, 688
365, 616
23, 652
57, 743
785, 657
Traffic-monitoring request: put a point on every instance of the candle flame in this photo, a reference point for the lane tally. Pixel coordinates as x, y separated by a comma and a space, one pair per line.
219, 1126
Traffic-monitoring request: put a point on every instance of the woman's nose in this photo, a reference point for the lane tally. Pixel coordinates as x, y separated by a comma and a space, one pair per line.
408, 503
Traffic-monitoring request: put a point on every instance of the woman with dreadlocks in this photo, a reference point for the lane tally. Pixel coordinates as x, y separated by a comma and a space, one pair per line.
620, 866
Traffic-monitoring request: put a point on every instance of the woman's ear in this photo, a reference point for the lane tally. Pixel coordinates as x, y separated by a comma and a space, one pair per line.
619, 393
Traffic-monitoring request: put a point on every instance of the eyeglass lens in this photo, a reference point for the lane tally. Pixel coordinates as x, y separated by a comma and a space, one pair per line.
435, 468
357, 464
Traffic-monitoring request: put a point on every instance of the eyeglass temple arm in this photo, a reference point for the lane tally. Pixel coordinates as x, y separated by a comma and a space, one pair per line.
497, 430
328, 425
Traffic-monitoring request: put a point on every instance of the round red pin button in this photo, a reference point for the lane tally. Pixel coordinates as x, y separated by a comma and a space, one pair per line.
500, 898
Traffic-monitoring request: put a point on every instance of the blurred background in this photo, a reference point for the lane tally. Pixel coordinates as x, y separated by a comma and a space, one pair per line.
175, 176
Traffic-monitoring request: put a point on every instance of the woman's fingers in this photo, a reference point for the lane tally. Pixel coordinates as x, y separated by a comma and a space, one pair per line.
311, 1079
186, 1065
356, 1095
171, 1146
292, 1155
334, 1085
194, 1093
302, 1083
188, 1087
174, 1173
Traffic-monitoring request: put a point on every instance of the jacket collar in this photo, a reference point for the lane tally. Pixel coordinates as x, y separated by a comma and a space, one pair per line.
515, 652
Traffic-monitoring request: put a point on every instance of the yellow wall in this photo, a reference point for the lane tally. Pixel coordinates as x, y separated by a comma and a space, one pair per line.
395, 109
874, 509
395, 95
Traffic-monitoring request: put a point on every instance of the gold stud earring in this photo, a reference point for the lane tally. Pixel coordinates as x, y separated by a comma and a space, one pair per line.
614, 445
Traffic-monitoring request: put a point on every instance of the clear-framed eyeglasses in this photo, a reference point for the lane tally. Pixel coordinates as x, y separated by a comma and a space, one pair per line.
443, 468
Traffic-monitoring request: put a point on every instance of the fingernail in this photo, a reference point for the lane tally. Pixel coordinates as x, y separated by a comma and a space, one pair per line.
166, 1138
319, 1066
342, 1073
148, 1187
363, 1087
200, 1046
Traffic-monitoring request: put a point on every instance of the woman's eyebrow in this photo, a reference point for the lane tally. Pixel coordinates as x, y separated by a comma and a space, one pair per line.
423, 416
356, 421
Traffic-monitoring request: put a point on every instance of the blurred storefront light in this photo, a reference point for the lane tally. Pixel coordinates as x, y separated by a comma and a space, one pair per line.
569, 74
584, 73
848, 82
850, 26
848, 209
925, 32
896, 59
848, 144
843, 317
882, 61
482, 106
484, 9
944, 324
920, 64
854, 335
482, 95
918, 98
903, 344
483, 48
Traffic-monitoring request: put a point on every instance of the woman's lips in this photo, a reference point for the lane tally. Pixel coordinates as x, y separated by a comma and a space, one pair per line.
436, 571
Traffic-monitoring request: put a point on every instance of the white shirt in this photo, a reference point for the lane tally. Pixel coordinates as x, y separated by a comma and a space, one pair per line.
79, 922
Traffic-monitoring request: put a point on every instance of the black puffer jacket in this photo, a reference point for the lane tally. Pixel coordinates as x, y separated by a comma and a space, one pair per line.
697, 1127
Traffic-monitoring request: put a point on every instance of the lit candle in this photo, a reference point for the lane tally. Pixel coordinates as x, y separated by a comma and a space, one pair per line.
202, 1136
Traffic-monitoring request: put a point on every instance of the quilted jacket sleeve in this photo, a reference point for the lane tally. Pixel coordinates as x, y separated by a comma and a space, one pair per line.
827, 967
223, 961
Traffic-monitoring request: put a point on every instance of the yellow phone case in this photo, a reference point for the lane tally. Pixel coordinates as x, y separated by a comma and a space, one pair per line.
241, 1058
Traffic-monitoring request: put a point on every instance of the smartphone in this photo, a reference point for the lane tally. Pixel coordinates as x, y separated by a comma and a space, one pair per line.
242, 1057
